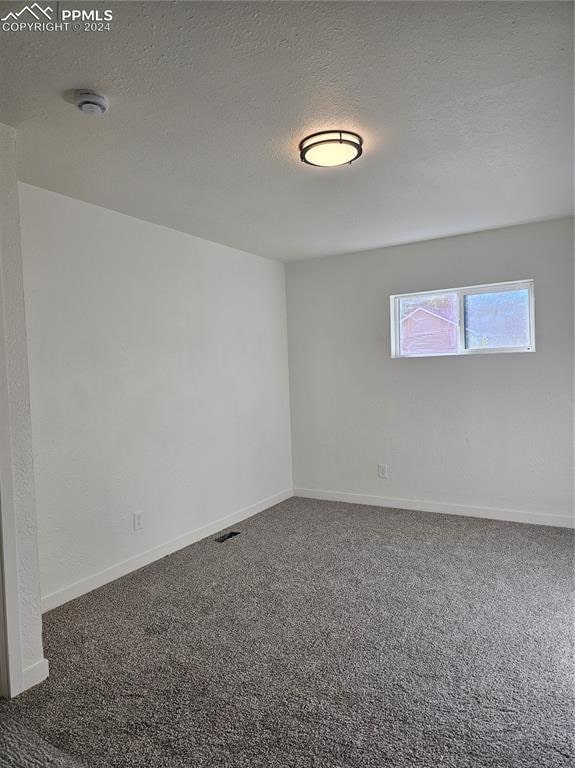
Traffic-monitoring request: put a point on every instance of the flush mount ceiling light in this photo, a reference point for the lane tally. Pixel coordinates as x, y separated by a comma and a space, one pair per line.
329, 148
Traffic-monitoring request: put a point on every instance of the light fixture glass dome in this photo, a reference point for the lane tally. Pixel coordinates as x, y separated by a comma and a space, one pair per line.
330, 148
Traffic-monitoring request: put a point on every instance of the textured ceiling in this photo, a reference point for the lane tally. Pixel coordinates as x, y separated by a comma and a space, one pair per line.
465, 109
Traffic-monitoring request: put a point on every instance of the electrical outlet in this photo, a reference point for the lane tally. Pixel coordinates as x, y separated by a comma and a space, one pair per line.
138, 521
383, 471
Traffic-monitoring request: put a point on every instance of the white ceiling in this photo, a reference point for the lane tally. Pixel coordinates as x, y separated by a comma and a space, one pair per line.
465, 109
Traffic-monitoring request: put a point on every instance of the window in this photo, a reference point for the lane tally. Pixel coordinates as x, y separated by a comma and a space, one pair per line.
463, 321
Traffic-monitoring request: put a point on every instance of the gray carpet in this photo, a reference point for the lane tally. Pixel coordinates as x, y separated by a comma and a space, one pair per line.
326, 635
20, 748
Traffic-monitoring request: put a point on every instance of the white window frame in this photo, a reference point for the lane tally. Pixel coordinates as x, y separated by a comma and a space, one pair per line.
515, 285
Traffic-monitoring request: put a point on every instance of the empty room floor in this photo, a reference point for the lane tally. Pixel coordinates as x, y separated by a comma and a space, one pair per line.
328, 635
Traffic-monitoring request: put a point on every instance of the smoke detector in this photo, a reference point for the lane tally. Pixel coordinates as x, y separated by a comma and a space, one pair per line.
91, 103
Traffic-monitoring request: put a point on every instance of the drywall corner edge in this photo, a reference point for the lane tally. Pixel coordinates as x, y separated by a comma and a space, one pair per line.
20, 618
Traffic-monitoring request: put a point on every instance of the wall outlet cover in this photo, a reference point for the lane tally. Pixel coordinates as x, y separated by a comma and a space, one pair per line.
383, 471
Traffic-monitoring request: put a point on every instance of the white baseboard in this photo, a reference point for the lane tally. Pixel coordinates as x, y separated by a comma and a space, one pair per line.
419, 505
33, 675
79, 588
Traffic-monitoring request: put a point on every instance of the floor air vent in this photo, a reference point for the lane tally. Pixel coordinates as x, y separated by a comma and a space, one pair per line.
226, 536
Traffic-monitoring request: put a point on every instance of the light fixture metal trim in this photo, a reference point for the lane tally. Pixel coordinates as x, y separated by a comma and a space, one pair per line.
332, 139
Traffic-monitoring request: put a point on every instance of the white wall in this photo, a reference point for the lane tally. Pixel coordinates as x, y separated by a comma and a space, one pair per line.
488, 435
159, 382
158, 366
22, 663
